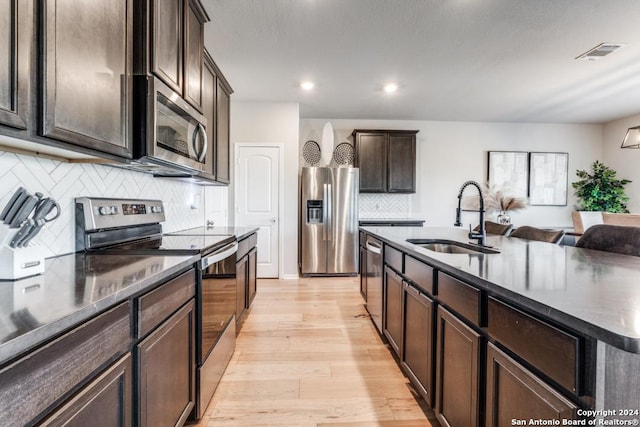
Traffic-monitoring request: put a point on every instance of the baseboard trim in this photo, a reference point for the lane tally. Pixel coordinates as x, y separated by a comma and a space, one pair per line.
290, 277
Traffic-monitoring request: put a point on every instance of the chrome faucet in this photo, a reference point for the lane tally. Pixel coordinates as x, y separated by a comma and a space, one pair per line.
481, 234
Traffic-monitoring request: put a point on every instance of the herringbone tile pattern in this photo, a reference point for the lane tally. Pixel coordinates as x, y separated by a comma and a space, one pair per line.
384, 205
65, 181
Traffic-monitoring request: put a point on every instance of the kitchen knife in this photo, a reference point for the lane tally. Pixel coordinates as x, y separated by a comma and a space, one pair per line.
12, 201
16, 206
33, 226
23, 213
39, 219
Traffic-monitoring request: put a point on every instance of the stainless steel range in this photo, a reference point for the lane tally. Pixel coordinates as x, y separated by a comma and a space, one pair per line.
124, 226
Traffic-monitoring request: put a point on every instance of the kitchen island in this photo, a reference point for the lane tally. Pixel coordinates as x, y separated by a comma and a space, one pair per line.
533, 324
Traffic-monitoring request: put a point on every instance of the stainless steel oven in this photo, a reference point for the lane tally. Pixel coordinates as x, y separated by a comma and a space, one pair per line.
217, 307
173, 133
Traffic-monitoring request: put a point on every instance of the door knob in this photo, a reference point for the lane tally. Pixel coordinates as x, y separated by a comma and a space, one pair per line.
273, 220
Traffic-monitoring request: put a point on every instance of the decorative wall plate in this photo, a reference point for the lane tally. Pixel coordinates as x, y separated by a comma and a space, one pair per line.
343, 154
311, 152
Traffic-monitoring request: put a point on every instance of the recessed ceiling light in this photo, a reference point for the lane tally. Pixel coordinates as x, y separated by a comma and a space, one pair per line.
390, 87
307, 85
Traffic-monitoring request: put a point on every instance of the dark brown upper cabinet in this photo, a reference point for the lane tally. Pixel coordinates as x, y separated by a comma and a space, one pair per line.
16, 25
87, 74
215, 107
175, 46
387, 160
223, 104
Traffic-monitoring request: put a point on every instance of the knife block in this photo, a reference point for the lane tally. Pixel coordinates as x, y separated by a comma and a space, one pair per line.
16, 263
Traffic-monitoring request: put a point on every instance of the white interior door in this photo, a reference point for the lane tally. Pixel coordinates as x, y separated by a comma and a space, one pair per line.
257, 200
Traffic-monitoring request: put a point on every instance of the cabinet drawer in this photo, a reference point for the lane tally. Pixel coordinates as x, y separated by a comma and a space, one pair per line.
35, 382
243, 248
253, 240
460, 297
552, 351
393, 258
419, 273
155, 306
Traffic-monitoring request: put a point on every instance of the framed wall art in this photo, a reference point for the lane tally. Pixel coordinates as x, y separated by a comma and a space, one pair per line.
548, 174
509, 171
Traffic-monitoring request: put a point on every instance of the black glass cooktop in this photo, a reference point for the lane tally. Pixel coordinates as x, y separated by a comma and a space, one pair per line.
172, 244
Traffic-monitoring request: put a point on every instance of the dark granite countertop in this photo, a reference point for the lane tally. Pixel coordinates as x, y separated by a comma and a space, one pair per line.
73, 289
593, 292
365, 221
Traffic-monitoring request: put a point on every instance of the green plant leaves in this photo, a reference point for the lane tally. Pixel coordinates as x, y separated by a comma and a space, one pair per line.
600, 190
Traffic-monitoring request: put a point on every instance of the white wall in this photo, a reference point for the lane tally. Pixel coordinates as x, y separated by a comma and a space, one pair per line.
626, 162
450, 153
273, 122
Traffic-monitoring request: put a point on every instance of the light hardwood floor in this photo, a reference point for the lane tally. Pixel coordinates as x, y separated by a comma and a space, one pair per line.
309, 356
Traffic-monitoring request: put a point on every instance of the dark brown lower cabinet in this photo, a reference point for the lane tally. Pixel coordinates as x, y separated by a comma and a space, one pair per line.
457, 372
241, 290
417, 354
166, 360
253, 276
513, 392
392, 314
363, 273
104, 402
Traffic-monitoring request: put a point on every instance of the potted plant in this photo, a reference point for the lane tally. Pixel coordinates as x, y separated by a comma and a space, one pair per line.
600, 190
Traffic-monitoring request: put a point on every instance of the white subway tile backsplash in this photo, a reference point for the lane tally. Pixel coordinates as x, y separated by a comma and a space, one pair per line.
374, 205
66, 181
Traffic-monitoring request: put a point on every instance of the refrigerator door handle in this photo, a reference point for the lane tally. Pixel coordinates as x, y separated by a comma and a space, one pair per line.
329, 202
325, 211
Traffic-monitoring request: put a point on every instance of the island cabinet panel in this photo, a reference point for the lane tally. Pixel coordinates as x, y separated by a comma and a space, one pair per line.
417, 355
87, 74
242, 271
514, 393
392, 314
371, 158
166, 371
458, 350
105, 402
16, 24
460, 297
550, 350
36, 382
402, 164
393, 258
419, 273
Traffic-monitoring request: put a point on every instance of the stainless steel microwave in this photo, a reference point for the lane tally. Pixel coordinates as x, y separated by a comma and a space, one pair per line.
170, 134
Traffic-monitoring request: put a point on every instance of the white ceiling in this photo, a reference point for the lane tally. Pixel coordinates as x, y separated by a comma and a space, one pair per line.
466, 60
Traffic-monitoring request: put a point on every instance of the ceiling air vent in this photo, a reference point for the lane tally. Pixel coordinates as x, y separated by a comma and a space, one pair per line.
603, 49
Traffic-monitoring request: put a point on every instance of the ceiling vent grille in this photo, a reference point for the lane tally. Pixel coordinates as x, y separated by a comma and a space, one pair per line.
602, 50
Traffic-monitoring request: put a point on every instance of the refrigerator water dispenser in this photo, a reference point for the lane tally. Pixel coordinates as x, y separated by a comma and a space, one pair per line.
314, 211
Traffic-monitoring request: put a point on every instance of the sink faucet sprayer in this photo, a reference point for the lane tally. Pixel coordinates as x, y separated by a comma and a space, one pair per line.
481, 235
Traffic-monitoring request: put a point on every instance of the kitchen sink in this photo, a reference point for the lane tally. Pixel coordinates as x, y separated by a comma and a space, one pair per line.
453, 247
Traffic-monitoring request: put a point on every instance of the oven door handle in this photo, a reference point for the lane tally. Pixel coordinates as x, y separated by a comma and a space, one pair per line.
219, 255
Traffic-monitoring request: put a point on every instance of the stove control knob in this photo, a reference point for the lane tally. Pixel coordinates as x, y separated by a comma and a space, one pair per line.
113, 210
156, 209
103, 210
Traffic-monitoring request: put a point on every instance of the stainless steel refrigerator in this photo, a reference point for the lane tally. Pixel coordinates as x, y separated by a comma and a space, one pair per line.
329, 221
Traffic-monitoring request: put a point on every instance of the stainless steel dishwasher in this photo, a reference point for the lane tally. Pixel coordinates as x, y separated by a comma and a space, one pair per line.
374, 280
